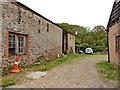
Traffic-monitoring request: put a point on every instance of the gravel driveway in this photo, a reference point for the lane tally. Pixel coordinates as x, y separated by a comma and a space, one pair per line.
77, 73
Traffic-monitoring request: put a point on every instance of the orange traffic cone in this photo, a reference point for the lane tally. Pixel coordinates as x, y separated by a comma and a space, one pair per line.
15, 69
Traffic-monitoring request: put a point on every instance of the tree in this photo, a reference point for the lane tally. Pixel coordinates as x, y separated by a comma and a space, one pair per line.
96, 38
99, 37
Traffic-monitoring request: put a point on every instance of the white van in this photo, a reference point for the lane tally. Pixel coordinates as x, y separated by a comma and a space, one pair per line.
88, 51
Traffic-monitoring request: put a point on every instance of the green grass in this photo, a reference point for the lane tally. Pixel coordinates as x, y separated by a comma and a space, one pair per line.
43, 65
40, 65
108, 71
8, 81
99, 53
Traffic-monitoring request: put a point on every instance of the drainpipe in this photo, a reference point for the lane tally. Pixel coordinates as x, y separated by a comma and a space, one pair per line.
108, 46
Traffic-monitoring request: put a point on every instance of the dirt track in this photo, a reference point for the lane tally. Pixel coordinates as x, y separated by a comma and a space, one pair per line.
77, 73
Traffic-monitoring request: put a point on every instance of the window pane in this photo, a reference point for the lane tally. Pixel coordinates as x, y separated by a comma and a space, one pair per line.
12, 51
13, 38
11, 44
21, 49
20, 44
22, 39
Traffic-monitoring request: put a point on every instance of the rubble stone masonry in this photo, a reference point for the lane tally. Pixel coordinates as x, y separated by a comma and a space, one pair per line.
71, 43
43, 38
0, 34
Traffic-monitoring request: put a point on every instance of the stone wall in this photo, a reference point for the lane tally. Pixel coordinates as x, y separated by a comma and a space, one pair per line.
119, 52
44, 38
0, 34
113, 32
71, 43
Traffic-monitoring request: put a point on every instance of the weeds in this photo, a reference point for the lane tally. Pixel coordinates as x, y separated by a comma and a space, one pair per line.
109, 71
8, 81
41, 65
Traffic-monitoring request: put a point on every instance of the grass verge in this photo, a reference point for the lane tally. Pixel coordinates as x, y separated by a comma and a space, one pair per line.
40, 65
108, 71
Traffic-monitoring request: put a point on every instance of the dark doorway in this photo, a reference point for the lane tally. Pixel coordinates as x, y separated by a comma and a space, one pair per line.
64, 42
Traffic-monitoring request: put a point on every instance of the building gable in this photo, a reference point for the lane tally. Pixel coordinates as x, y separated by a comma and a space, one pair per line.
29, 9
115, 14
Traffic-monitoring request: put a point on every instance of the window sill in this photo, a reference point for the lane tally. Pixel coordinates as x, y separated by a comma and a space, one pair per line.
17, 55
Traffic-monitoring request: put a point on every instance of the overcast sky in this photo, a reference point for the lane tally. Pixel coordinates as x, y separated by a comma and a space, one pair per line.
88, 13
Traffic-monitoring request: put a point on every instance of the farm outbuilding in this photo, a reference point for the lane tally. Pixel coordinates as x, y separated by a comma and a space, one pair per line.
113, 32
29, 35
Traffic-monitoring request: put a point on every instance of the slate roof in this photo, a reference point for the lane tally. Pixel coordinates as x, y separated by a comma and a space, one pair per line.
115, 14
31, 10
117, 1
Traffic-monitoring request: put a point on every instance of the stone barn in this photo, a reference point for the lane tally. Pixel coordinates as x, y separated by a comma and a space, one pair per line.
29, 35
113, 32
68, 43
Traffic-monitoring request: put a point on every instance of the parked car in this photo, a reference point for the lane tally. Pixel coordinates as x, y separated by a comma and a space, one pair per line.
88, 51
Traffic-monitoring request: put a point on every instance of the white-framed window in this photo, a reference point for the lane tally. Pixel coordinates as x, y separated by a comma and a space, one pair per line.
12, 43
16, 44
21, 42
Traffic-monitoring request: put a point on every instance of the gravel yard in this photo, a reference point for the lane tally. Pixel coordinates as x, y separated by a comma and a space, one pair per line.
80, 72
